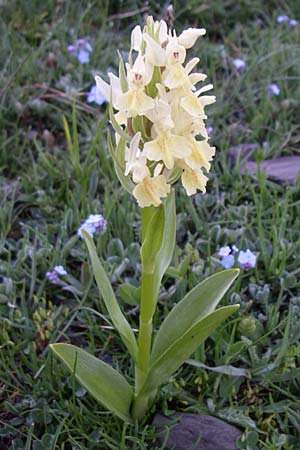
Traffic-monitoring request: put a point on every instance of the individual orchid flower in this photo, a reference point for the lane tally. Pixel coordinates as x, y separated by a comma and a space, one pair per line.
166, 147
201, 154
189, 37
161, 114
113, 90
192, 180
150, 190
136, 160
135, 101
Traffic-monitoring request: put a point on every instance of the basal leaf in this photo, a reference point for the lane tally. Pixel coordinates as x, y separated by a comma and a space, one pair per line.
102, 381
130, 294
167, 362
198, 303
109, 298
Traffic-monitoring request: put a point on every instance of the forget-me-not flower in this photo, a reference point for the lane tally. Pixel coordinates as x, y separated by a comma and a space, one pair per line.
282, 19
227, 261
239, 64
224, 251
293, 23
95, 223
247, 259
54, 275
81, 49
273, 89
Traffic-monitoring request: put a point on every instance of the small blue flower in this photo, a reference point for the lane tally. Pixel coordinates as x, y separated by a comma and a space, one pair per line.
53, 276
282, 19
239, 64
247, 259
81, 49
83, 56
273, 89
293, 23
96, 96
60, 270
224, 251
227, 261
209, 130
95, 223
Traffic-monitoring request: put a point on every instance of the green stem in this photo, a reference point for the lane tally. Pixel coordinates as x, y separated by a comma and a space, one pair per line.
145, 330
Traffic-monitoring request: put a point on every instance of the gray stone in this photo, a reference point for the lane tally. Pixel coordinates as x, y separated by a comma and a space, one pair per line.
196, 432
284, 169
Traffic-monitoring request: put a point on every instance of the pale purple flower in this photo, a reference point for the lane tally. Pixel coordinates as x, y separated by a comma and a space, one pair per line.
273, 89
60, 270
81, 49
293, 23
96, 96
209, 130
247, 259
239, 64
224, 251
282, 19
95, 223
227, 261
53, 276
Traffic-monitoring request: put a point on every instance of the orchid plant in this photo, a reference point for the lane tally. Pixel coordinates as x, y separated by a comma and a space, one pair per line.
160, 136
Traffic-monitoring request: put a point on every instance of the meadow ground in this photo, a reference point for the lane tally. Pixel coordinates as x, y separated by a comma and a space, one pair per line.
46, 191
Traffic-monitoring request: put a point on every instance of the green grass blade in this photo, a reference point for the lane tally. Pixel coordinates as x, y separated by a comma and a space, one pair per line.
102, 381
109, 298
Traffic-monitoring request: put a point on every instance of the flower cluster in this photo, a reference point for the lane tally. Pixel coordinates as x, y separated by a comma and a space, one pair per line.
95, 223
54, 275
286, 19
81, 49
246, 259
159, 115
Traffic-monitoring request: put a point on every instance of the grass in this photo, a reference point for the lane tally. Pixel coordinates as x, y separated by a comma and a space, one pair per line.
48, 187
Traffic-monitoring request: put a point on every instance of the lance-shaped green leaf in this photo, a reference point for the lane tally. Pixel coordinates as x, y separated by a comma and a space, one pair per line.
102, 381
198, 303
164, 365
157, 251
109, 298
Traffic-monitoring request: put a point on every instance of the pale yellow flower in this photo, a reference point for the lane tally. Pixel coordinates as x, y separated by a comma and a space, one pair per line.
194, 104
166, 147
187, 124
151, 189
158, 108
113, 90
135, 101
161, 115
201, 154
193, 180
136, 161
188, 37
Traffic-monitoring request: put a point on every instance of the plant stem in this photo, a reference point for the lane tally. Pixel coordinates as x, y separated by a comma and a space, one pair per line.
145, 329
